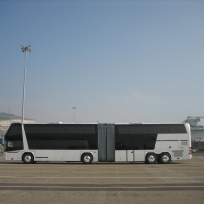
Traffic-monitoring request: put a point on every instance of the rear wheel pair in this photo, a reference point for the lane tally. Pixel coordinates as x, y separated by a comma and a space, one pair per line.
163, 158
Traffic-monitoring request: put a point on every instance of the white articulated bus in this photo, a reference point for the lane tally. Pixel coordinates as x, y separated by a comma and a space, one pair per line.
102, 142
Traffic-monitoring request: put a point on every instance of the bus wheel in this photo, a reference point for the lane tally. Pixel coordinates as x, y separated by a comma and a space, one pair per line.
151, 158
28, 158
165, 158
87, 158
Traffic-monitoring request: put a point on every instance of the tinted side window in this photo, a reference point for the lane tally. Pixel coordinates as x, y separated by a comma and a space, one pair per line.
134, 137
34, 129
156, 129
135, 142
177, 128
132, 129
54, 129
75, 129
61, 136
138, 129
151, 129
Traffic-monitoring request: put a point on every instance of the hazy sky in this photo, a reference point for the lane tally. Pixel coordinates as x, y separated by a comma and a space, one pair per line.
115, 61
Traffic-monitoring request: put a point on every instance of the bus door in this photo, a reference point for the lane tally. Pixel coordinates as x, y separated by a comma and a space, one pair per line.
130, 151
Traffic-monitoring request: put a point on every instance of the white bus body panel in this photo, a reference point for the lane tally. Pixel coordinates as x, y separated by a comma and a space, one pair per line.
130, 155
51, 155
63, 155
11, 155
120, 155
177, 145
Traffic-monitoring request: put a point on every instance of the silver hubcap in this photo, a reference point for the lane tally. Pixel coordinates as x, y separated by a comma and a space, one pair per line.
28, 158
165, 158
151, 158
87, 158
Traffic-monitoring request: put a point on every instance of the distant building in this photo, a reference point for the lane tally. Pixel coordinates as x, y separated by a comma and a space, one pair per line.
197, 135
197, 132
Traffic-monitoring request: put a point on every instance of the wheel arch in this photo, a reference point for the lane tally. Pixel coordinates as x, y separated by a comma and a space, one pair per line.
82, 153
146, 154
165, 152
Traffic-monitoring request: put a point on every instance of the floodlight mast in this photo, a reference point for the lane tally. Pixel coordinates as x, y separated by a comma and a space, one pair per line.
24, 49
74, 108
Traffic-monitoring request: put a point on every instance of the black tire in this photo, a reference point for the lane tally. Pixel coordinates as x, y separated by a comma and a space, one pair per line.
28, 158
165, 158
151, 158
87, 158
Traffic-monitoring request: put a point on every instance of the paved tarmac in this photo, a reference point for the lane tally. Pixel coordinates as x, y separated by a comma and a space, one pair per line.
100, 183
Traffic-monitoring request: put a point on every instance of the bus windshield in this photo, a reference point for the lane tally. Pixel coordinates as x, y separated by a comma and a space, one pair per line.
13, 138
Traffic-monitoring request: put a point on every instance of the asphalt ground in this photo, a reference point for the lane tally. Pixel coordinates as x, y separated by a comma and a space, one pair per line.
100, 183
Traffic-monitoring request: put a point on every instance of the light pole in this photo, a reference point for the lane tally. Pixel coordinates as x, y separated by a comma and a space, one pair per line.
74, 108
24, 49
